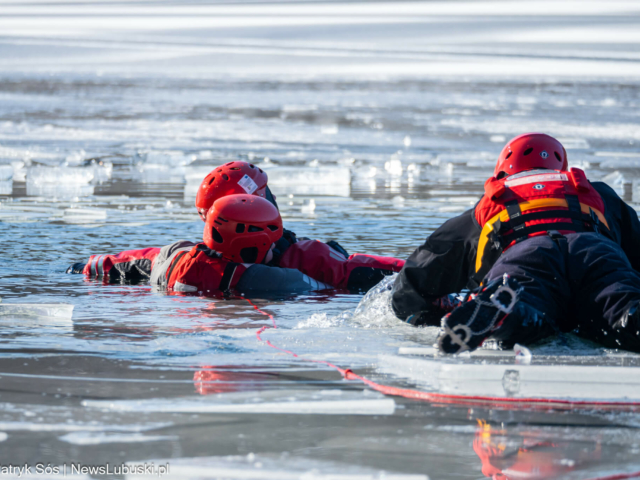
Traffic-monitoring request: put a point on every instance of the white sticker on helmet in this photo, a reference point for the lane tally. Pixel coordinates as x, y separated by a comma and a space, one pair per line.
248, 184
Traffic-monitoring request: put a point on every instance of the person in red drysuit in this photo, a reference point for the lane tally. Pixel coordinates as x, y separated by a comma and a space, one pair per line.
328, 262
245, 228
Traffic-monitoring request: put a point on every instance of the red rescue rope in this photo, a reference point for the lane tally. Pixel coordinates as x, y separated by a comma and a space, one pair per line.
442, 398
620, 476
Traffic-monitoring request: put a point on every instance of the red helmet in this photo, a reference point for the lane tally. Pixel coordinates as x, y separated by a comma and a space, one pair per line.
229, 179
242, 227
529, 151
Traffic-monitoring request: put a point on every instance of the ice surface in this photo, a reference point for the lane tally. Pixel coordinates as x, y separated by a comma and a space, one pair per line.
556, 381
269, 467
282, 402
92, 438
6, 173
147, 97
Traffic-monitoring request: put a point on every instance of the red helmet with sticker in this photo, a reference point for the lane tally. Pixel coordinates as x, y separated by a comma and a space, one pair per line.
529, 151
242, 227
229, 179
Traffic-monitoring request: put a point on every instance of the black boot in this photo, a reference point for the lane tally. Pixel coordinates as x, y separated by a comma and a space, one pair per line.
466, 327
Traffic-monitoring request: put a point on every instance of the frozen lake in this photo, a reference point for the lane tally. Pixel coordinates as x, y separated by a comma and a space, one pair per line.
376, 122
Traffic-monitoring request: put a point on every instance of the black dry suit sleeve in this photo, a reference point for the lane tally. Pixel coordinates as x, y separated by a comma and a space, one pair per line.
265, 279
439, 267
338, 248
623, 222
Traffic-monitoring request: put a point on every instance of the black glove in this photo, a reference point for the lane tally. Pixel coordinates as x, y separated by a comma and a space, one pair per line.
288, 238
338, 248
76, 268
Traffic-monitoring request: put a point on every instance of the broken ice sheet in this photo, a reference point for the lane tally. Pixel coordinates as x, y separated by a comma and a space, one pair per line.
327, 402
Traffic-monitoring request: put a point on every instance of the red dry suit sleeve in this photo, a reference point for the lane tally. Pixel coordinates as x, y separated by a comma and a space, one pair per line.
320, 262
127, 265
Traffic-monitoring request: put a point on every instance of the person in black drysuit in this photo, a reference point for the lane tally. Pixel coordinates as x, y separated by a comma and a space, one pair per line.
535, 272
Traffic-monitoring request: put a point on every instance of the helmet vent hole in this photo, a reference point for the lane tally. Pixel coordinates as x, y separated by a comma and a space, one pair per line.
234, 168
527, 151
253, 228
216, 235
212, 179
508, 155
249, 254
557, 156
251, 165
240, 228
260, 170
225, 176
273, 228
223, 220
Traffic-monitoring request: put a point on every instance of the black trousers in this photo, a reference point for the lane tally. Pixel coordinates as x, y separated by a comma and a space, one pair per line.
582, 281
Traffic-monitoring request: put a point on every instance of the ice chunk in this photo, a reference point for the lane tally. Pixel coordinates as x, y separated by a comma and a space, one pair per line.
169, 158
157, 173
37, 315
6, 173
309, 207
493, 379
6, 187
84, 215
290, 402
321, 180
394, 166
64, 182
329, 129
56, 310
523, 354
100, 438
